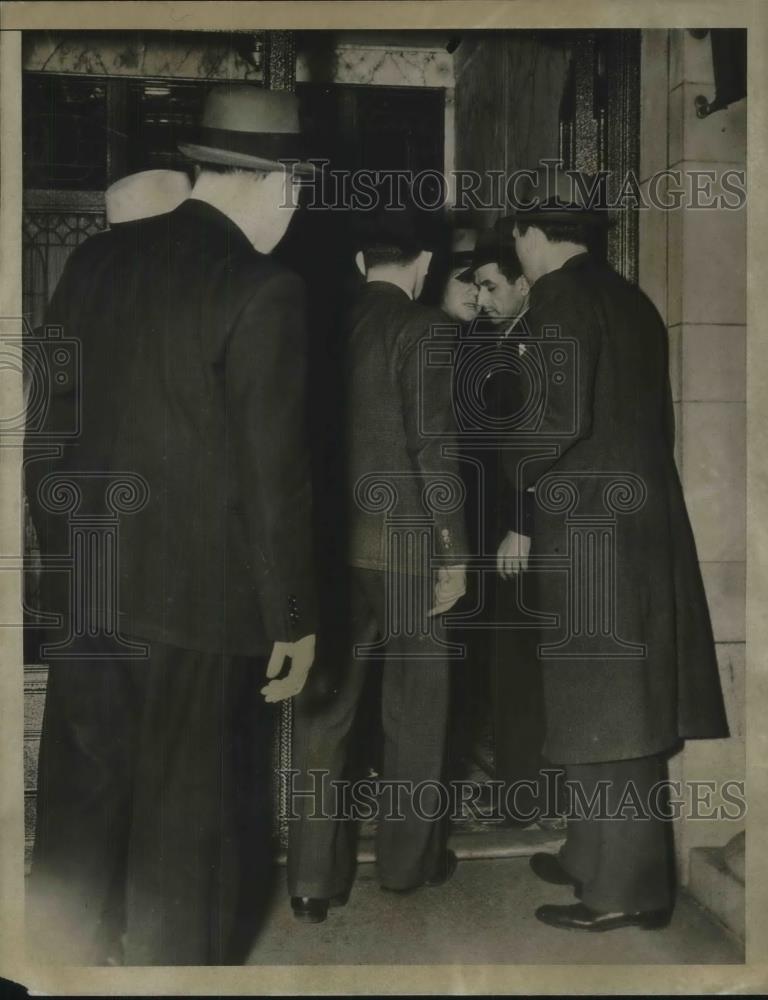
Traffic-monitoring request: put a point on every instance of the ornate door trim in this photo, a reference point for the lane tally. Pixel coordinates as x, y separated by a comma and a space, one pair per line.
600, 126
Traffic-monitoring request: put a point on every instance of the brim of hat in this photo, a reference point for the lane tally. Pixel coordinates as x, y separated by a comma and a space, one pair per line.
488, 257
227, 158
466, 276
582, 216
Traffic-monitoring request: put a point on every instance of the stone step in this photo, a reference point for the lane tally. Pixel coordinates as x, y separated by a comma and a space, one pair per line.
501, 843
715, 886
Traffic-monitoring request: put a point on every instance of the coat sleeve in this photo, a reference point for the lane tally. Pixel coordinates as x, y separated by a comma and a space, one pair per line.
430, 430
265, 384
559, 303
517, 509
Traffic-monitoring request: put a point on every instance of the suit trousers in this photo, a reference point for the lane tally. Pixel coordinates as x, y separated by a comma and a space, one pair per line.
415, 701
154, 809
625, 864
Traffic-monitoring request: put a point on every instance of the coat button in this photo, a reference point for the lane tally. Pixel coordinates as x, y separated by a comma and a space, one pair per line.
293, 609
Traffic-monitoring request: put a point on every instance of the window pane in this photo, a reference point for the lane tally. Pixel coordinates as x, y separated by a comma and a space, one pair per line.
64, 132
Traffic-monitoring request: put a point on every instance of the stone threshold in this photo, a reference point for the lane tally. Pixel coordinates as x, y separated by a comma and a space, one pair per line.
717, 889
470, 846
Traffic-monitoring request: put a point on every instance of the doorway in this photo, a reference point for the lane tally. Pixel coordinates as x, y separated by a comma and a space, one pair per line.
83, 132
354, 128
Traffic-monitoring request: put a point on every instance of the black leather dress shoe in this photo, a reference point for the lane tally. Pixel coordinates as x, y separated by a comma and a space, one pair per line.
444, 873
548, 868
314, 911
579, 917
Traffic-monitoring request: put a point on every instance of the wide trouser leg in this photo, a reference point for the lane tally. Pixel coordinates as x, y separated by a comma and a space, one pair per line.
75, 902
415, 695
321, 858
624, 864
415, 707
199, 862
154, 810
517, 701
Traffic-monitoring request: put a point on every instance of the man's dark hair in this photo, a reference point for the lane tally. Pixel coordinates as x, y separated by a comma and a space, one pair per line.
378, 254
560, 232
226, 168
509, 265
215, 168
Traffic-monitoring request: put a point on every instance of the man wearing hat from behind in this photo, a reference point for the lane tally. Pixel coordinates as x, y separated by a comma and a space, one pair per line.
637, 674
154, 814
399, 418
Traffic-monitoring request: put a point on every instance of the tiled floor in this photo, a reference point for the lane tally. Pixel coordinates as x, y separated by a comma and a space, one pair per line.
484, 915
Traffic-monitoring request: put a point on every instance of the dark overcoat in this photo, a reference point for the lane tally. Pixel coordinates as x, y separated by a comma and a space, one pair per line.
628, 660
192, 350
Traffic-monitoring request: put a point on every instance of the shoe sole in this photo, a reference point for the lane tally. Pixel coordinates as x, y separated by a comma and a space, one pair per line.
651, 923
656, 923
312, 918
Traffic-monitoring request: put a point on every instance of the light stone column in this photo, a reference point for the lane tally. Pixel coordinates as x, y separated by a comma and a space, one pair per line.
693, 266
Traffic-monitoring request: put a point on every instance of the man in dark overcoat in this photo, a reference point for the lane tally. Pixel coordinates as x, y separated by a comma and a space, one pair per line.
630, 669
154, 816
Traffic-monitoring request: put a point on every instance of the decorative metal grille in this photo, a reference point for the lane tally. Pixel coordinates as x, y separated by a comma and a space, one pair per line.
53, 224
35, 681
600, 126
622, 143
280, 71
49, 235
280, 74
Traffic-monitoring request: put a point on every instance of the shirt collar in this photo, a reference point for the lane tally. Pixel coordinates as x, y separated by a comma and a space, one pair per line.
386, 288
518, 319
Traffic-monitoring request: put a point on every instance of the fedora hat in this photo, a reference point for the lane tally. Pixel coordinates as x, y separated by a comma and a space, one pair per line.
494, 246
147, 193
559, 196
248, 127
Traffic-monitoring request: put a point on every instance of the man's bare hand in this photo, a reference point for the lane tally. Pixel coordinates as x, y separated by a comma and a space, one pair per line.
301, 655
451, 584
512, 556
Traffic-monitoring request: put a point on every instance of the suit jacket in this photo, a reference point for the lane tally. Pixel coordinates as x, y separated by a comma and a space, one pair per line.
607, 406
487, 395
193, 366
399, 419
514, 507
